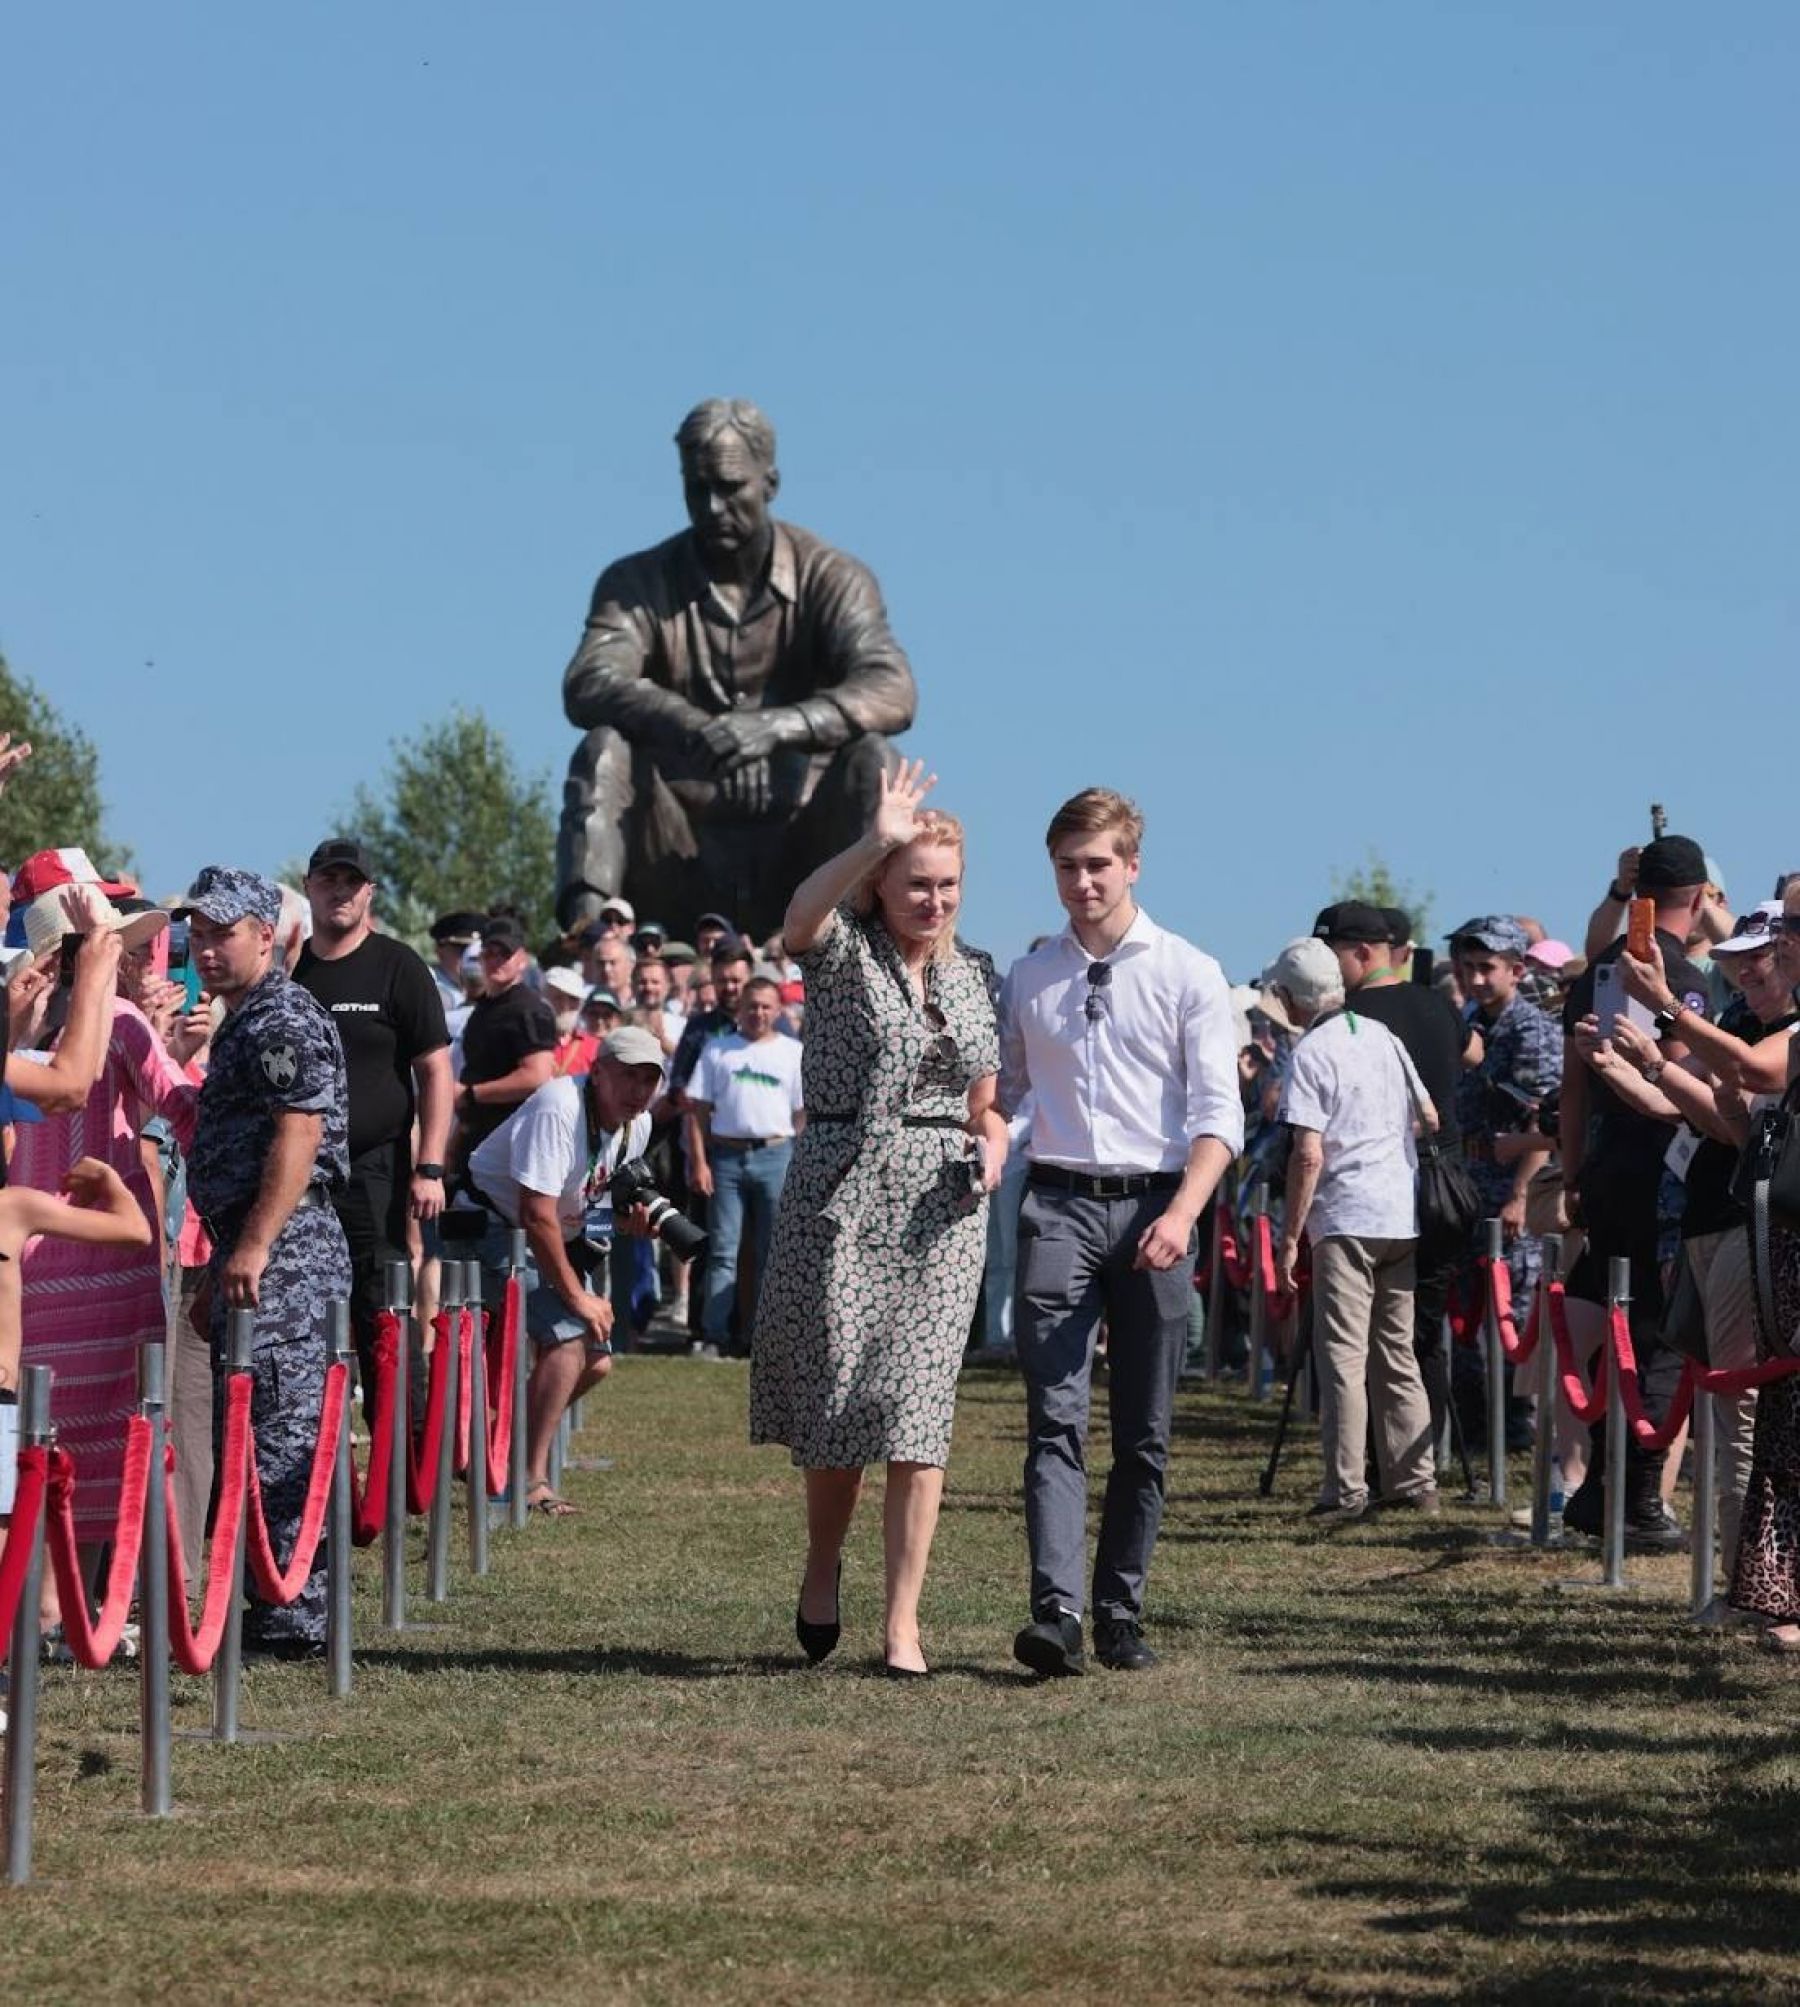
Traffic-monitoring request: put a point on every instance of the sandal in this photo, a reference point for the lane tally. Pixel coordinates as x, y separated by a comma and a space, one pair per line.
540, 1498
1782, 1639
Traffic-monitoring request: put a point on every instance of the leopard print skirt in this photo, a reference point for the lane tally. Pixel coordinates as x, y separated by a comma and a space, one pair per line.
1766, 1580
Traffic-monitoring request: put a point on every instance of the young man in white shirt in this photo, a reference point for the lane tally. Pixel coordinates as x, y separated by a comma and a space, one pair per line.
743, 1111
1351, 1098
1123, 1036
546, 1169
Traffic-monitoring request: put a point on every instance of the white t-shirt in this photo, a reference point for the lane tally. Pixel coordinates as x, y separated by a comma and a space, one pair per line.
1352, 1081
752, 1090
543, 1147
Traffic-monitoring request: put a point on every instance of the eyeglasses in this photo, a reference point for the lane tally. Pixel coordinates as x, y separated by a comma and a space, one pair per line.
1790, 923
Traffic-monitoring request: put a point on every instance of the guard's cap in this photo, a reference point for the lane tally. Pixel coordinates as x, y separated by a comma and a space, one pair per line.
341, 853
456, 929
1353, 922
1499, 933
224, 895
631, 1045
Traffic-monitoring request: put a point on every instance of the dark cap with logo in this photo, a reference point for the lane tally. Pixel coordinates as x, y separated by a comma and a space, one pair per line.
1670, 864
501, 934
1354, 923
225, 896
341, 853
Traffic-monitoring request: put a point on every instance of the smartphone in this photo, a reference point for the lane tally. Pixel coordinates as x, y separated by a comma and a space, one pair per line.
181, 962
1424, 967
1612, 1001
1640, 928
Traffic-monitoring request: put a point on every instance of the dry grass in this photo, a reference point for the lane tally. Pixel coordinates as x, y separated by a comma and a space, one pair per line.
1389, 1764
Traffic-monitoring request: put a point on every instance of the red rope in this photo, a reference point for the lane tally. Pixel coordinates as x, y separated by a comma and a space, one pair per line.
465, 1391
368, 1499
422, 1460
1233, 1260
28, 1506
195, 1650
1585, 1407
273, 1584
501, 1373
1649, 1436
1740, 1379
1499, 1287
92, 1641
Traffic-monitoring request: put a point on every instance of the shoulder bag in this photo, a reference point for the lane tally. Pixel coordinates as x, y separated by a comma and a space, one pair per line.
1766, 1184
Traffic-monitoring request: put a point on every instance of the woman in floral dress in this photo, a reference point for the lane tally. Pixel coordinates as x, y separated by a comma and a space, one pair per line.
881, 1234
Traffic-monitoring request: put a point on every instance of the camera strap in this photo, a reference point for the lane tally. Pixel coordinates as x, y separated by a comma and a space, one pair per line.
597, 1140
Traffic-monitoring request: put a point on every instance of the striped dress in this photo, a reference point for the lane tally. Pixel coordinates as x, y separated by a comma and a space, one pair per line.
88, 1309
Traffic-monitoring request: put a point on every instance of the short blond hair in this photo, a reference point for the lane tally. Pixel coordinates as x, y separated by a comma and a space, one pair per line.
1098, 811
936, 825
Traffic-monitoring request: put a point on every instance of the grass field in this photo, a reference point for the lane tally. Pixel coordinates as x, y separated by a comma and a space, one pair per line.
1390, 1763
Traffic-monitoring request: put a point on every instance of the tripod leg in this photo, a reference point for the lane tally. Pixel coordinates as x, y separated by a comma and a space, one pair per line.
1266, 1484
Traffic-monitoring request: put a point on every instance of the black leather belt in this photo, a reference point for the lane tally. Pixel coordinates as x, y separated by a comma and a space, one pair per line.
225, 1226
906, 1121
747, 1142
1092, 1185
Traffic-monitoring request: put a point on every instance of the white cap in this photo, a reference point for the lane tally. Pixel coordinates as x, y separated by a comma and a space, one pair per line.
566, 982
1307, 971
631, 1045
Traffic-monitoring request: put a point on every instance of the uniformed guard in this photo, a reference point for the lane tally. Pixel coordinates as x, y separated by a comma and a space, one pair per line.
269, 1154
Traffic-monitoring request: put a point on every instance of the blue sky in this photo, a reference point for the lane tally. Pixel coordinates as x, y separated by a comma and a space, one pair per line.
1342, 427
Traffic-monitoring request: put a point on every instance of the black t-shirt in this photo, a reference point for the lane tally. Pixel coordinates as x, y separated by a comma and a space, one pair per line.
1624, 1145
386, 1008
1434, 1036
502, 1032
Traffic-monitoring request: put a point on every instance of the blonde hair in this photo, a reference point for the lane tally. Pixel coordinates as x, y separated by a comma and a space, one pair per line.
936, 826
1097, 811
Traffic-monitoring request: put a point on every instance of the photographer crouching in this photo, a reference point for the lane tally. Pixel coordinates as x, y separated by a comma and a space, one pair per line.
555, 1167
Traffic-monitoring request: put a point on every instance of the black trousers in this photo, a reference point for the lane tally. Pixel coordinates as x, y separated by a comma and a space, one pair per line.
373, 1210
1659, 1366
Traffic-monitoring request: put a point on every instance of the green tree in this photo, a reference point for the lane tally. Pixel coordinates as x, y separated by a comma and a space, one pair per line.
1374, 882
53, 802
456, 824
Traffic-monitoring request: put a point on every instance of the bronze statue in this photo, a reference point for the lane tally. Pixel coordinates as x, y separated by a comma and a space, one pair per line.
736, 686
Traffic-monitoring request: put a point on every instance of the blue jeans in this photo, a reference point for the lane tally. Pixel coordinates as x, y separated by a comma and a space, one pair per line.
746, 1183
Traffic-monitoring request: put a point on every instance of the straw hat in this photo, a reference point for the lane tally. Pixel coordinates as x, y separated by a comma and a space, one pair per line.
48, 919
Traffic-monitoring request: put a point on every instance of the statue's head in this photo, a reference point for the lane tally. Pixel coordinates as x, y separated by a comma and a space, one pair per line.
728, 473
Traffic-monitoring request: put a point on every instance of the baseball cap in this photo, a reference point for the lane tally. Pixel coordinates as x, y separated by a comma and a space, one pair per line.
1307, 971
715, 920
1499, 933
456, 929
44, 870
649, 938
679, 954
1550, 954
1753, 930
225, 895
1352, 921
343, 853
501, 934
631, 1045
598, 999
623, 907
566, 982
1400, 925
1670, 863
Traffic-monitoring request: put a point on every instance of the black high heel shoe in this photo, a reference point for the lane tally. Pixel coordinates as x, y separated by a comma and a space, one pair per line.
819, 1641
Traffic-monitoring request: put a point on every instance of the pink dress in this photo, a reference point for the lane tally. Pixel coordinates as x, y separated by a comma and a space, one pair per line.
88, 1309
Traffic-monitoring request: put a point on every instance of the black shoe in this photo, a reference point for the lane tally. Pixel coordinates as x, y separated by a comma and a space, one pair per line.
1655, 1530
1052, 1648
819, 1641
904, 1672
285, 1651
1119, 1644
1583, 1511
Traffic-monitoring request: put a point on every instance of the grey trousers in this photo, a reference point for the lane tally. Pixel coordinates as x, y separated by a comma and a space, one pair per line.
1075, 1265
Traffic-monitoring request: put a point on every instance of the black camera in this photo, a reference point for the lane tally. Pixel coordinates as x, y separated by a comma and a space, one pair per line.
634, 1184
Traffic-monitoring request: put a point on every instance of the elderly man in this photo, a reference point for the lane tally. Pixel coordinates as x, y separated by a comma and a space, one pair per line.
735, 684
1350, 1101
269, 1161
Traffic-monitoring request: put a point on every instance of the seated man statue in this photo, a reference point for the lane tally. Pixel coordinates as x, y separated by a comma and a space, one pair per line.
736, 685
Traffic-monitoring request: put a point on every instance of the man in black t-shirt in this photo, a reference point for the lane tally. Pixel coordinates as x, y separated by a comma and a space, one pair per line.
1437, 1042
509, 1042
1612, 1160
396, 1055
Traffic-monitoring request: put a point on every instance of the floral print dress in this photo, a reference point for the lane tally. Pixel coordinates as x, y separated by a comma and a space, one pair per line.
879, 1241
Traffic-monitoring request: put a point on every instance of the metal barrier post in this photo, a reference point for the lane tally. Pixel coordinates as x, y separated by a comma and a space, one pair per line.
1612, 1555
1543, 1448
393, 1532
559, 1451
577, 1416
21, 1731
1493, 1247
153, 1595
240, 1333
339, 1538
478, 1427
1215, 1289
1706, 1499
515, 1475
437, 1548
1259, 1301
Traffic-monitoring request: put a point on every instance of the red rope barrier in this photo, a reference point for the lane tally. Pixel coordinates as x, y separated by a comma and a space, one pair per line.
283, 1586
465, 1392
28, 1505
1498, 1279
93, 1640
1740, 1379
422, 1458
1233, 1260
1587, 1408
1649, 1436
368, 1498
500, 1377
195, 1651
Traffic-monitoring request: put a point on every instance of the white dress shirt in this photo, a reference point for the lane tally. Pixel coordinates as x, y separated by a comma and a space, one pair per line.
1133, 1087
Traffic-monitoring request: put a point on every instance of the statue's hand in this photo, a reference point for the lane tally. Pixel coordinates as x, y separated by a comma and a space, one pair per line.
739, 736
746, 787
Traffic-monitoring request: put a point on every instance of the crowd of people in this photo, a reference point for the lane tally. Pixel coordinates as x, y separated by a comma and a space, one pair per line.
854, 1152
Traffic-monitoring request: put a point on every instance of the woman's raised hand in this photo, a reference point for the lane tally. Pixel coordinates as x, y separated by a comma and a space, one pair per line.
896, 819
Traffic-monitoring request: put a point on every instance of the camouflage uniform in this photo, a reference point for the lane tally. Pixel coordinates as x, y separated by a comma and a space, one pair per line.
277, 1052
1521, 1065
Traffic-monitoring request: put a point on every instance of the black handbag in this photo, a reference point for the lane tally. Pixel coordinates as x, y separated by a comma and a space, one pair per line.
1449, 1204
1766, 1184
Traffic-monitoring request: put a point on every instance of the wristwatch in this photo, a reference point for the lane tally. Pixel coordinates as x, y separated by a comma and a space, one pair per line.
428, 1170
1664, 1020
1655, 1069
